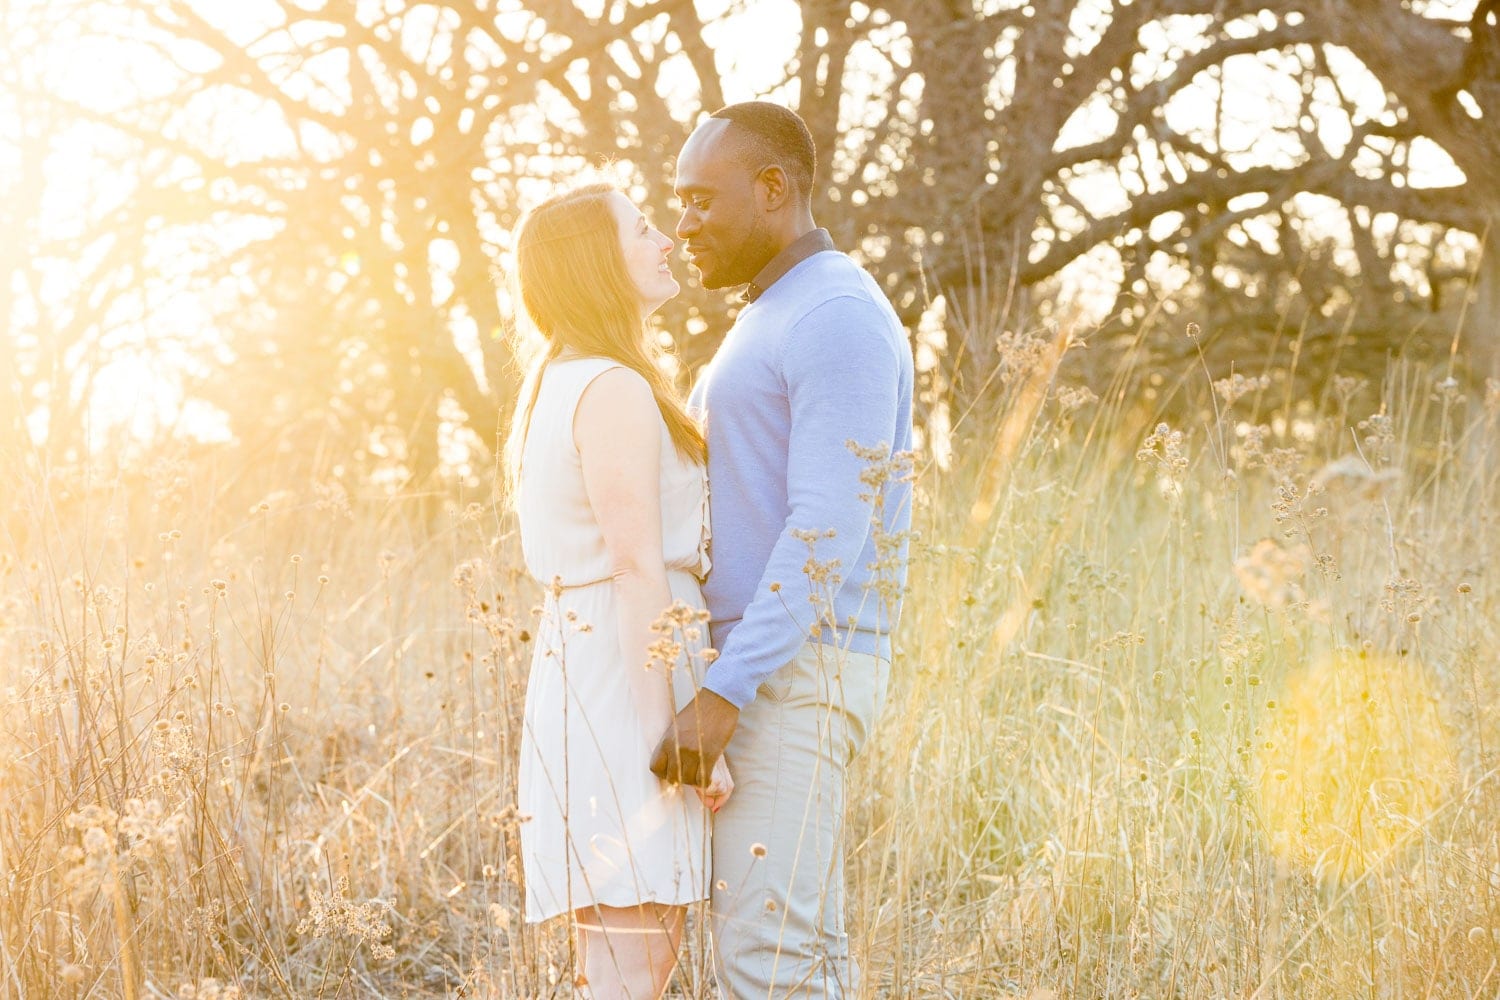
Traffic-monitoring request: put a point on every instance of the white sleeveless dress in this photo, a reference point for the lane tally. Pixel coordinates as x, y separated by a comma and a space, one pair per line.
598, 827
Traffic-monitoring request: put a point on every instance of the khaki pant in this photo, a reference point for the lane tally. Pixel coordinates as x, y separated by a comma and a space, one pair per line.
778, 844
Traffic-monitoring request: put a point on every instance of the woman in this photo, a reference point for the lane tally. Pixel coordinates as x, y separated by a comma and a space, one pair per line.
606, 473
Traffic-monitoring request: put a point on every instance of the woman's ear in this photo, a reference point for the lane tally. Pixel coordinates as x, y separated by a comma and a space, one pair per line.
774, 189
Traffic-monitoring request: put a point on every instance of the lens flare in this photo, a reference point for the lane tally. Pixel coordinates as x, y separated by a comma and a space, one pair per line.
1356, 764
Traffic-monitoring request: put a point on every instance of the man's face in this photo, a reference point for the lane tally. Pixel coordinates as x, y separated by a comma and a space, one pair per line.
723, 226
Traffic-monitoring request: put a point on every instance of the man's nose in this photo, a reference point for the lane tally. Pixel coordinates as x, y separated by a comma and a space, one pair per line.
687, 225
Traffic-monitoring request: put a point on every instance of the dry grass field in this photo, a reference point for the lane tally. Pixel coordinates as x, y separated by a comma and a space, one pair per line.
1184, 707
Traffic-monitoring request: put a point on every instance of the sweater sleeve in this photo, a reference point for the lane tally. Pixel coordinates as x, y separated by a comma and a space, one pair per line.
842, 381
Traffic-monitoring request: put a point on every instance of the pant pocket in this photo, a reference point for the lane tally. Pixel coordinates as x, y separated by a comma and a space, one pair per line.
778, 687
853, 686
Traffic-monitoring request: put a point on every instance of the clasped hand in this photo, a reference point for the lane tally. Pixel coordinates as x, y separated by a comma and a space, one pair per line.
692, 749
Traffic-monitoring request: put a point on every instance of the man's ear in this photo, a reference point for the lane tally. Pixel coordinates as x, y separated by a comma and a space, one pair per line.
775, 190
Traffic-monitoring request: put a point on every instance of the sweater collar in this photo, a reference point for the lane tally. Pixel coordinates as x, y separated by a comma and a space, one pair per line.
803, 247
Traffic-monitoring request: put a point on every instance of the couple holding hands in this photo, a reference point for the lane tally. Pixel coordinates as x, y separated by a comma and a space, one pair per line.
660, 770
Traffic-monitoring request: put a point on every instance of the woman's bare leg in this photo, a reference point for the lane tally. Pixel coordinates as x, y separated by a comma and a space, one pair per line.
629, 952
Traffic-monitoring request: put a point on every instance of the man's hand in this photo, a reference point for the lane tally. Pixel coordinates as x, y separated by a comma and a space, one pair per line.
695, 741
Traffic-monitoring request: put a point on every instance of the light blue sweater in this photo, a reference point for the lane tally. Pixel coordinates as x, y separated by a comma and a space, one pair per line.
819, 359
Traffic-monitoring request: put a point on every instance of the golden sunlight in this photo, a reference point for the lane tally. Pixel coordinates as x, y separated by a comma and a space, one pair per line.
1157, 630
97, 60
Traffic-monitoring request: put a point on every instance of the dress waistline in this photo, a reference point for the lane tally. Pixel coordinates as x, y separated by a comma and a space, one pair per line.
557, 587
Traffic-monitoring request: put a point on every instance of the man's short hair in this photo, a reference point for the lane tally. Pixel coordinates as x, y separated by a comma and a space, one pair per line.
771, 134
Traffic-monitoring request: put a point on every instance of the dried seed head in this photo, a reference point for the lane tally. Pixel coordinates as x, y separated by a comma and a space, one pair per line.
95, 840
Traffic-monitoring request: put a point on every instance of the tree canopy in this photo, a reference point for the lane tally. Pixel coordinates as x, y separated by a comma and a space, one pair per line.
304, 207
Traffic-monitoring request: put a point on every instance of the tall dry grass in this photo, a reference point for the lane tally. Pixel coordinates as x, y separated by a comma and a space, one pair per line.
1192, 707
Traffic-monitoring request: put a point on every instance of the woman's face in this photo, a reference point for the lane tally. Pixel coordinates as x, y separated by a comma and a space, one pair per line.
645, 250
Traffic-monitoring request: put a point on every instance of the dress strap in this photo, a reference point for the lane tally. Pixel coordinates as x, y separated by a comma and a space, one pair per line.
573, 375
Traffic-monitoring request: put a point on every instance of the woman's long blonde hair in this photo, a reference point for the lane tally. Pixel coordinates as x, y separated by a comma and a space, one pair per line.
574, 286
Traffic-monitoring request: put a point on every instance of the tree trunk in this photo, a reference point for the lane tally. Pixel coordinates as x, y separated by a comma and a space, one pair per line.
1481, 331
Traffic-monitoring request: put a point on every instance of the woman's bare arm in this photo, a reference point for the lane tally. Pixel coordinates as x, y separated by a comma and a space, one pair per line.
617, 429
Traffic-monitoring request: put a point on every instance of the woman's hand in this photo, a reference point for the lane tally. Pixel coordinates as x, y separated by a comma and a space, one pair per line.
719, 788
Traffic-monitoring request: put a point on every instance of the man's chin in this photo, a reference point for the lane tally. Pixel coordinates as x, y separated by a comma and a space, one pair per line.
718, 278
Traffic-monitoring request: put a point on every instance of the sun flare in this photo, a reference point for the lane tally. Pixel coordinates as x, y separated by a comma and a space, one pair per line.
1357, 764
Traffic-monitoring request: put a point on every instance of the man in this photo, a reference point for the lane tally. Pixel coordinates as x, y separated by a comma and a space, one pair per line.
816, 361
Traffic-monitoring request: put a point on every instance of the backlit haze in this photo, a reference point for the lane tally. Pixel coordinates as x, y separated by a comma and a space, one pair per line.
148, 358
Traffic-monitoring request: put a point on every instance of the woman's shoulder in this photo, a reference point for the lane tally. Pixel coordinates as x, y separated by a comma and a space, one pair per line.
616, 415
613, 387
565, 380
